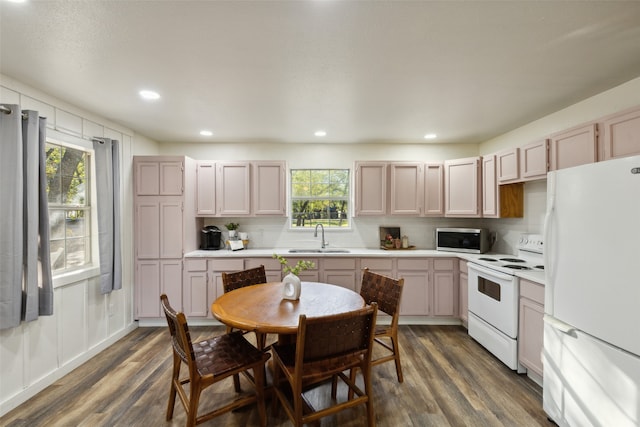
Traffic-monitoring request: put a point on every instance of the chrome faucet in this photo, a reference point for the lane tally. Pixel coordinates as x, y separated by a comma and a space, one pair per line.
315, 234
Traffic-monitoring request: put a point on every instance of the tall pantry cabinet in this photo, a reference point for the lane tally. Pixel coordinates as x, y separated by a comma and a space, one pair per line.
164, 229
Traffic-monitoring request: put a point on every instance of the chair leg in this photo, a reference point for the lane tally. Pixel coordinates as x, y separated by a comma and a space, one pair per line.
259, 376
194, 399
175, 377
371, 417
396, 353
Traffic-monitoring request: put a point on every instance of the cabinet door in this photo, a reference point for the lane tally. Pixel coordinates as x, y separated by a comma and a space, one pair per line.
195, 294
415, 293
269, 188
463, 301
148, 288
171, 232
233, 188
371, 188
508, 166
462, 187
147, 178
531, 335
444, 293
205, 189
534, 160
434, 189
171, 282
407, 181
490, 201
171, 178
621, 135
147, 228
574, 147
340, 271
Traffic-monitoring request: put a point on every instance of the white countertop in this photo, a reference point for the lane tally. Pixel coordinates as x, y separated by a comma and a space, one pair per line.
534, 276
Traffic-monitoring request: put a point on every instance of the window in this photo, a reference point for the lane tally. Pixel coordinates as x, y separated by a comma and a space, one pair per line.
68, 192
319, 196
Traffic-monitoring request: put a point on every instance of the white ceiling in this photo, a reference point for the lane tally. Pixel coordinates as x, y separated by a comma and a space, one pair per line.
364, 71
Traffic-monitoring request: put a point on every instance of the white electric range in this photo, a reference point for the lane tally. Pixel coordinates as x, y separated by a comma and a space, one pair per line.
494, 294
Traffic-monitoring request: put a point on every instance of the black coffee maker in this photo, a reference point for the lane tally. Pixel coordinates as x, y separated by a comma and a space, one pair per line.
210, 238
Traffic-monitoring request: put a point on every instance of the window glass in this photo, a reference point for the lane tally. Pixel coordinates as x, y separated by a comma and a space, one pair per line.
320, 196
68, 189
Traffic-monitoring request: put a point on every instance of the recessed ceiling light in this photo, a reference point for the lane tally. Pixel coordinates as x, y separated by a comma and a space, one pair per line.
320, 133
149, 95
206, 133
430, 136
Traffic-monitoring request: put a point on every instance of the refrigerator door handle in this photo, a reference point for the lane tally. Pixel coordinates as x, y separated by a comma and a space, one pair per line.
561, 326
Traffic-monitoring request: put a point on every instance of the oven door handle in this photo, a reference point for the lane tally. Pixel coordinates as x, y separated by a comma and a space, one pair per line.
488, 272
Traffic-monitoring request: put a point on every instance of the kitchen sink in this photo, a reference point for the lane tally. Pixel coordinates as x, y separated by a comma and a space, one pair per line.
319, 251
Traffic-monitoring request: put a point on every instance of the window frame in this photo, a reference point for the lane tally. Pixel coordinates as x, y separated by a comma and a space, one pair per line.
92, 268
347, 197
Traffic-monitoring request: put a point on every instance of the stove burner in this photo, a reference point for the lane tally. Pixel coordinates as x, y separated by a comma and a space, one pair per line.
511, 260
517, 267
488, 259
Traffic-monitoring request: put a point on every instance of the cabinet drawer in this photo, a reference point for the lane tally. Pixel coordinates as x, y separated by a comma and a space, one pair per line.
377, 264
462, 265
269, 263
533, 291
413, 264
226, 264
293, 261
339, 263
443, 264
196, 264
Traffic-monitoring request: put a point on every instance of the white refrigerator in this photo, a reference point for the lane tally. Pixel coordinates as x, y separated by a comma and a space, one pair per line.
591, 352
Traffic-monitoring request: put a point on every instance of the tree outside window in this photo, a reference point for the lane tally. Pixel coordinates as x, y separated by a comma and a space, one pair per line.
69, 211
320, 196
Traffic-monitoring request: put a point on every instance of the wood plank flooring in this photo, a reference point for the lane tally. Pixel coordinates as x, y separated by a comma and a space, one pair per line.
450, 380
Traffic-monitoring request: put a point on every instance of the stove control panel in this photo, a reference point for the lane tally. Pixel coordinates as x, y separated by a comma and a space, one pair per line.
531, 243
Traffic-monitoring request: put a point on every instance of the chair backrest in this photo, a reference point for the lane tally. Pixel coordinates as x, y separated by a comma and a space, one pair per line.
328, 337
384, 290
240, 279
180, 336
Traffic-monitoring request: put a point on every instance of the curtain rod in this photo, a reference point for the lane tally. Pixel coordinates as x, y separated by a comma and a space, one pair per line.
7, 110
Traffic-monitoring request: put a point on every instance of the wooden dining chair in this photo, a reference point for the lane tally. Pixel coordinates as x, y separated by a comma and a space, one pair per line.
208, 362
387, 292
325, 347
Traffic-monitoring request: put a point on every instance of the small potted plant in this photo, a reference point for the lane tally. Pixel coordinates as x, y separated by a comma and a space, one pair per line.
232, 227
292, 285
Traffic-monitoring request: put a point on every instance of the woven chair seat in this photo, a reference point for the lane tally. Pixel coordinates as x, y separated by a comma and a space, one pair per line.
220, 355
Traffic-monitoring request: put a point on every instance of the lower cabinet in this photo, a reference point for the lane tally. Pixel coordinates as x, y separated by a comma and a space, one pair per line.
154, 278
445, 289
415, 294
340, 271
531, 326
195, 284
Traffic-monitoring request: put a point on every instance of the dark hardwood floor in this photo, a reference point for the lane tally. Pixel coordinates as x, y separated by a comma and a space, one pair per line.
450, 380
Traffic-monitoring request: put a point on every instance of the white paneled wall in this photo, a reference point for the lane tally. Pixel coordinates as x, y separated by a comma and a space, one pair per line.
85, 322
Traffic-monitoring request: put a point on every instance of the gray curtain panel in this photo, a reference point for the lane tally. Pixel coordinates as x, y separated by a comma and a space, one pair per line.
26, 289
107, 156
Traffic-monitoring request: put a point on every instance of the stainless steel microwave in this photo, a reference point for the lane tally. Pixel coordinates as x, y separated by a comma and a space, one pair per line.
470, 240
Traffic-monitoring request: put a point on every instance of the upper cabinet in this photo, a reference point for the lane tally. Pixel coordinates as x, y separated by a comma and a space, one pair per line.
621, 134
489, 186
241, 188
205, 188
574, 147
159, 176
534, 160
462, 187
407, 182
233, 188
500, 200
433, 189
508, 166
269, 188
370, 188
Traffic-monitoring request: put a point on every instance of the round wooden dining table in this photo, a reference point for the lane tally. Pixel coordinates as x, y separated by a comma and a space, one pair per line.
261, 308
